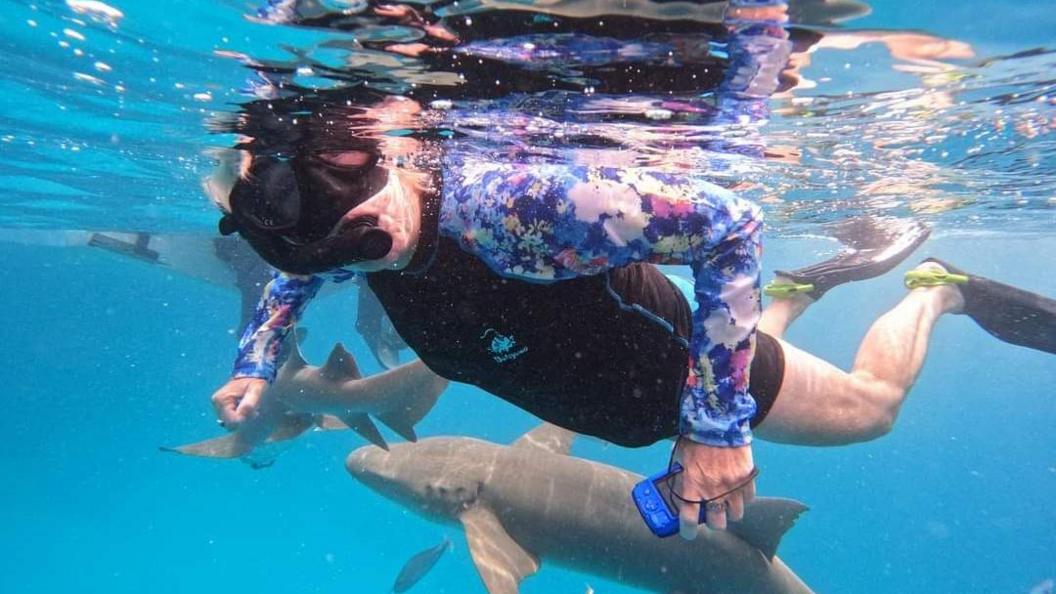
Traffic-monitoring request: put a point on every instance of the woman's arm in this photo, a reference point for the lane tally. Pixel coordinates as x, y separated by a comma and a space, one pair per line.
556, 222
282, 304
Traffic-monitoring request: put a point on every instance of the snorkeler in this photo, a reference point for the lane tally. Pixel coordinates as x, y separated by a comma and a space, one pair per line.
465, 261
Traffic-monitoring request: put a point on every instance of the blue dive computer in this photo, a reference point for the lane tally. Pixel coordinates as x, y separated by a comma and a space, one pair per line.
654, 501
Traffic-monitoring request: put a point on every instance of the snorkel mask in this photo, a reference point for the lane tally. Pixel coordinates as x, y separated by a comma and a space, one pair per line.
293, 211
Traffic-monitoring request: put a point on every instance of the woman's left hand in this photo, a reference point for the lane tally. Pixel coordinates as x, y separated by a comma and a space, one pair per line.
708, 472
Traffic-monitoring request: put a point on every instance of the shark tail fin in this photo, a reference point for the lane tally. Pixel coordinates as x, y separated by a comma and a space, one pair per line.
766, 520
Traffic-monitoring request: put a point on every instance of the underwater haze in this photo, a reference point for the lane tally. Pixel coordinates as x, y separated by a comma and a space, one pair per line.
112, 114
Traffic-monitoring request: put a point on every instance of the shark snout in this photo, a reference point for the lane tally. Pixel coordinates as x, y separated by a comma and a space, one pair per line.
430, 476
365, 462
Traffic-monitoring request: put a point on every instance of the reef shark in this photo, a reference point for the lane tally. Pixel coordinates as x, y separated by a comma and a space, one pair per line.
334, 396
531, 501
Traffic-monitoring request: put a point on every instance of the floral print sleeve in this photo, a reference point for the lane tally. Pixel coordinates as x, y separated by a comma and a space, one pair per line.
554, 222
283, 302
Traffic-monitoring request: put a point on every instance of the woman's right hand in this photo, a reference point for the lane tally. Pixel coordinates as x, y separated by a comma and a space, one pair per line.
238, 400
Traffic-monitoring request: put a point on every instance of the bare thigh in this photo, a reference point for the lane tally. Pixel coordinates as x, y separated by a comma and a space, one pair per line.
820, 404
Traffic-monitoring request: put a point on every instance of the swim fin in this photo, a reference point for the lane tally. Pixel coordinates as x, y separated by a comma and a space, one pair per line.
873, 246
1012, 315
137, 249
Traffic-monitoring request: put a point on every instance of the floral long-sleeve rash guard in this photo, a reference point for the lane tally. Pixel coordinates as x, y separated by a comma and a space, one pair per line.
546, 223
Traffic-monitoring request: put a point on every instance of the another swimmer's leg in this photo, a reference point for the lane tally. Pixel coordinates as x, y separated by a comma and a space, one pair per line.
820, 404
781, 312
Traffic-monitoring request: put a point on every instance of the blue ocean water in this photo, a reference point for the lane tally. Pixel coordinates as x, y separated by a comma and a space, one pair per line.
107, 358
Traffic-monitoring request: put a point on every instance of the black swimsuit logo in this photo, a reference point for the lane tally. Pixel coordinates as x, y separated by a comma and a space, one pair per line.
502, 348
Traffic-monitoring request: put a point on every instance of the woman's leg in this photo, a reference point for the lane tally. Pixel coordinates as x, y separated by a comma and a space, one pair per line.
780, 314
820, 404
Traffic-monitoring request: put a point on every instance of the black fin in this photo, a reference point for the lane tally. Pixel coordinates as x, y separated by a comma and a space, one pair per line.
874, 246
766, 520
1012, 315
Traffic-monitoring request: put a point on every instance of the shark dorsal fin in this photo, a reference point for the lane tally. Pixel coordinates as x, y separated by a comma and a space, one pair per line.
550, 438
340, 365
766, 520
501, 562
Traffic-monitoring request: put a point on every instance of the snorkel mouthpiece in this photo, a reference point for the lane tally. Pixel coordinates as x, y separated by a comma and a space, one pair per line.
360, 240
371, 242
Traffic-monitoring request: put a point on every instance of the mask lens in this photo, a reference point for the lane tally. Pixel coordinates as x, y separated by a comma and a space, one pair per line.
350, 161
269, 197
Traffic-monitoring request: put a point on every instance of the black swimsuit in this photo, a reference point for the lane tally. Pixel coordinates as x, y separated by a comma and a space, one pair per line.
568, 352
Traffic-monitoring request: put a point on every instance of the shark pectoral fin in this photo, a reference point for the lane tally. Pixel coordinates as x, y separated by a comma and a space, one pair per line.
249, 435
366, 428
398, 421
500, 561
550, 438
227, 446
766, 520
